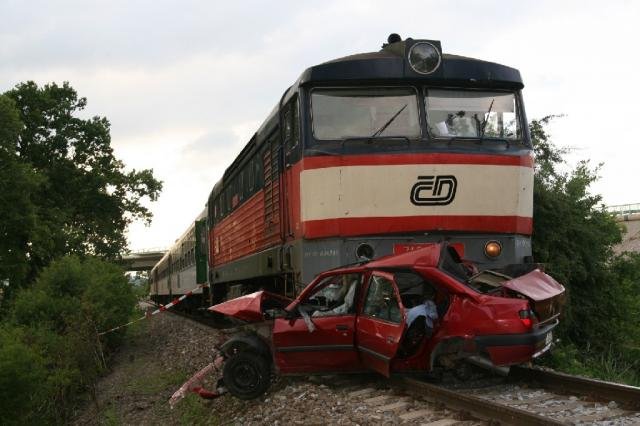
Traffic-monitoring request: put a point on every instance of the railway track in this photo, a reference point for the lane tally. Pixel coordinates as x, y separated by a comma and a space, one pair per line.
531, 396
202, 318
526, 396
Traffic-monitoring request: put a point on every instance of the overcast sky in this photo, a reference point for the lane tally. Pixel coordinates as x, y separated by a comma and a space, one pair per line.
186, 83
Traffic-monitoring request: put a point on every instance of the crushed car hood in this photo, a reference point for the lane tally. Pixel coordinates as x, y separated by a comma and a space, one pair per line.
536, 285
250, 307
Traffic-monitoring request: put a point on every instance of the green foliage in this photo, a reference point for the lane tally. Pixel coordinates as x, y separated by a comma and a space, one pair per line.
63, 191
60, 316
607, 365
573, 236
193, 410
110, 417
18, 184
90, 291
22, 373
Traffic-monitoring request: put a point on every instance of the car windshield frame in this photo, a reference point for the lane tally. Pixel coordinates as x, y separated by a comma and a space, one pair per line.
480, 107
387, 119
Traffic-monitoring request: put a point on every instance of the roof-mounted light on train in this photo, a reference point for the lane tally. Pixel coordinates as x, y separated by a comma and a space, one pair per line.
424, 57
492, 249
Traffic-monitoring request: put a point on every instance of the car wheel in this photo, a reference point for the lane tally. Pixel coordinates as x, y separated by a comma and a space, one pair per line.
246, 375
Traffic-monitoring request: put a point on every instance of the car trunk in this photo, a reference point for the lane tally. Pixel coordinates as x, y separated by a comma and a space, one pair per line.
545, 295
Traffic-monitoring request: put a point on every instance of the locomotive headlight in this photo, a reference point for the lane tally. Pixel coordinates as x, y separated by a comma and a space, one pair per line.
424, 58
365, 251
492, 249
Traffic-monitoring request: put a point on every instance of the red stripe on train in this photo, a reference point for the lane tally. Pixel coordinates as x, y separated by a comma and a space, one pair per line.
420, 158
355, 226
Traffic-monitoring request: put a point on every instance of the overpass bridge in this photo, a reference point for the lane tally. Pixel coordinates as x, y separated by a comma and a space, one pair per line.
629, 216
143, 260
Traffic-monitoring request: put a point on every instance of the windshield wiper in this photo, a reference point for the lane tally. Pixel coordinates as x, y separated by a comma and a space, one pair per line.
384, 127
499, 139
320, 151
369, 139
486, 120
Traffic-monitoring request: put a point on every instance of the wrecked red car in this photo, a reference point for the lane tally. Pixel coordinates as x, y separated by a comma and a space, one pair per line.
411, 312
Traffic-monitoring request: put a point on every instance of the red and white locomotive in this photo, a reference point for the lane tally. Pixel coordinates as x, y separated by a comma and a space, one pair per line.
373, 154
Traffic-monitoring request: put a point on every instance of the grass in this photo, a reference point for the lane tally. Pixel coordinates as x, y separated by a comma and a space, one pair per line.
149, 385
109, 417
193, 410
609, 366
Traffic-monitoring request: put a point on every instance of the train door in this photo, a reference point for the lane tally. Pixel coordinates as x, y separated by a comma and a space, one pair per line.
291, 147
155, 282
170, 272
201, 251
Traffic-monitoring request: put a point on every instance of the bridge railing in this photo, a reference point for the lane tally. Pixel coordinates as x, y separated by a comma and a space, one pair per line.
147, 250
623, 209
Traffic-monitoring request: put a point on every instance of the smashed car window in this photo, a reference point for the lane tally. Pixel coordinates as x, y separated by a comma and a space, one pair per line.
486, 282
451, 263
334, 296
381, 302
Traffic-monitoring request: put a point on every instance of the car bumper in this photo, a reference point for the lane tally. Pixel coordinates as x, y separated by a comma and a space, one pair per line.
509, 349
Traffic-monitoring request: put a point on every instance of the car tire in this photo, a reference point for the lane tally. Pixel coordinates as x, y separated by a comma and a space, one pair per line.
246, 375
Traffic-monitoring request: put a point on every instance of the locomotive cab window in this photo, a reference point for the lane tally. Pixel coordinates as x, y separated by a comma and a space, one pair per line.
472, 114
291, 125
365, 113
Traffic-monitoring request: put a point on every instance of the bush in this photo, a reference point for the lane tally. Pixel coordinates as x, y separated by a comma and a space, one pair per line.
72, 294
61, 315
22, 376
574, 237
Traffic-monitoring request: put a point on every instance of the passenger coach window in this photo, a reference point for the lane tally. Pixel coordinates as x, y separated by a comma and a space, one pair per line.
467, 114
363, 113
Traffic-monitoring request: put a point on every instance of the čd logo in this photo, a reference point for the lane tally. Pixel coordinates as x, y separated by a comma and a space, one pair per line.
434, 190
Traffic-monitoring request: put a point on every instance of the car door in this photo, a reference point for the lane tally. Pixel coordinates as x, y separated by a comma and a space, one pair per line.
380, 323
319, 333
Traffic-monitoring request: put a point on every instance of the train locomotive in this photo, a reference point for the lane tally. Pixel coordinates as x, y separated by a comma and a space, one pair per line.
369, 155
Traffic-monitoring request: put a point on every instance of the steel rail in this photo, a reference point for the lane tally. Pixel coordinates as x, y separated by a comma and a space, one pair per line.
477, 407
597, 389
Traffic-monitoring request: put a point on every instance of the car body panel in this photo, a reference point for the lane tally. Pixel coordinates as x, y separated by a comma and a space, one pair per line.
469, 323
426, 256
249, 307
378, 340
329, 347
536, 285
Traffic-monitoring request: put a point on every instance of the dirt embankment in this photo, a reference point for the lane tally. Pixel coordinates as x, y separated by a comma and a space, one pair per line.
164, 351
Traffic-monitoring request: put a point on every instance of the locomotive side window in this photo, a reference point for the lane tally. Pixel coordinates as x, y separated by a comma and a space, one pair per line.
249, 180
472, 114
364, 113
257, 162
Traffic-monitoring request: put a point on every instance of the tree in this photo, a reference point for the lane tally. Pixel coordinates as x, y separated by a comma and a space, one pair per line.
573, 235
18, 184
66, 192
